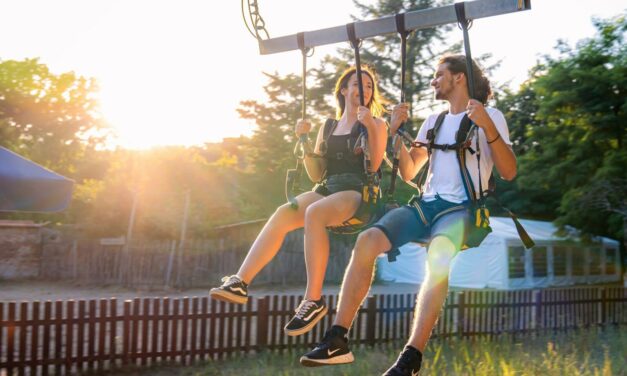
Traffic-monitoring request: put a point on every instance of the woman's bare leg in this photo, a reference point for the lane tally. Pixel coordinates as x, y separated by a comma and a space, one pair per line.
269, 240
330, 211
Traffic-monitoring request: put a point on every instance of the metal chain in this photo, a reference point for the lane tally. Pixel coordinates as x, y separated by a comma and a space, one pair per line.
254, 22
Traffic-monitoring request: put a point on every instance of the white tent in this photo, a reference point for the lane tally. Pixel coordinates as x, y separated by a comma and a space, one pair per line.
502, 262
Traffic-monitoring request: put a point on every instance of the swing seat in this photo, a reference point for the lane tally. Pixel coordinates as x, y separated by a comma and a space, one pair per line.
367, 214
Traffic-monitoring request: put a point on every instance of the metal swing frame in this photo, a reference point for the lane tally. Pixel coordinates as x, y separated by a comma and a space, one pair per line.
414, 20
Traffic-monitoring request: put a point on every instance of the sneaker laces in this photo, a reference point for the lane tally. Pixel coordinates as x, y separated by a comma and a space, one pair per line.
230, 280
303, 307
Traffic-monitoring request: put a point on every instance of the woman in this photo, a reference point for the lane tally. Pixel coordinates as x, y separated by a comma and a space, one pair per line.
340, 170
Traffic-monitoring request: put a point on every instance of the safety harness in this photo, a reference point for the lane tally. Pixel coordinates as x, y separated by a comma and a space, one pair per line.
369, 210
370, 207
479, 225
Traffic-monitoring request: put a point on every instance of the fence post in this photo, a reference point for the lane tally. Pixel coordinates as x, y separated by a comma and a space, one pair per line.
168, 270
126, 333
538, 309
263, 307
602, 306
461, 306
10, 352
371, 319
74, 254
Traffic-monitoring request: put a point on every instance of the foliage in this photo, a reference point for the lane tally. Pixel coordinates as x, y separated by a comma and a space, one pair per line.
568, 125
567, 122
270, 147
423, 49
159, 180
50, 118
272, 143
54, 120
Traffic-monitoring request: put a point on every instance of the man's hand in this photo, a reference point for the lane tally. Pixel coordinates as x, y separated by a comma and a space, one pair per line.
400, 114
477, 113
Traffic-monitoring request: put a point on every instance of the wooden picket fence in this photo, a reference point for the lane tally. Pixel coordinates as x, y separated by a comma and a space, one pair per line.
196, 262
66, 337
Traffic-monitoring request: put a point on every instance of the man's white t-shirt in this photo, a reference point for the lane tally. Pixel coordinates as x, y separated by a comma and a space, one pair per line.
444, 177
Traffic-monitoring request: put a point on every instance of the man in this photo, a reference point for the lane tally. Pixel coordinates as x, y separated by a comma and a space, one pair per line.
440, 216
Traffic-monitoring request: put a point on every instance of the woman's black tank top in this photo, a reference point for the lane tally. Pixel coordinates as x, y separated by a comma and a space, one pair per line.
340, 157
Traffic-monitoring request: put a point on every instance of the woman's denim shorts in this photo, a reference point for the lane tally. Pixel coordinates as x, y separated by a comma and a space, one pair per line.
340, 182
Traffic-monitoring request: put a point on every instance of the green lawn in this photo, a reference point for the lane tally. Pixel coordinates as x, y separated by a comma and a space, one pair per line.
581, 352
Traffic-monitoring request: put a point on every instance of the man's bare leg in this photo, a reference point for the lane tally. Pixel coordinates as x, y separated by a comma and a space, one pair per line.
334, 347
358, 277
433, 291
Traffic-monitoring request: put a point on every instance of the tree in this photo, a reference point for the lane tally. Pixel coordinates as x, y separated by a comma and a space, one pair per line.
423, 48
50, 118
54, 120
573, 112
272, 143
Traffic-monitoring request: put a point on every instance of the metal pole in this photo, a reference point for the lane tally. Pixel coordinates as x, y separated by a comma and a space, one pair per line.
184, 222
182, 239
125, 268
414, 20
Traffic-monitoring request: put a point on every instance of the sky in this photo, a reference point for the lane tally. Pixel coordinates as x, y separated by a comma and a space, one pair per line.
173, 72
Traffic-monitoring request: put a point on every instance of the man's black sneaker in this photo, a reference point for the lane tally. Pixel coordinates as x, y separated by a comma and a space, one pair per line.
407, 364
308, 313
233, 290
332, 350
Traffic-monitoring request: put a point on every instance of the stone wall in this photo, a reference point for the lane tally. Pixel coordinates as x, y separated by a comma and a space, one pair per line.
20, 249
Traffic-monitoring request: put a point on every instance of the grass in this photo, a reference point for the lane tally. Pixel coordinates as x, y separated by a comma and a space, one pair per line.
591, 352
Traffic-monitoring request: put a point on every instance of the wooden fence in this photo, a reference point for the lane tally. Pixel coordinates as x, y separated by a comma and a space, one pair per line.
67, 337
199, 262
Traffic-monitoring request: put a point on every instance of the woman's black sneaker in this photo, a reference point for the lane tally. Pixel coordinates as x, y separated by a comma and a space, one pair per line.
233, 290
308, 313
332, 350
407, 364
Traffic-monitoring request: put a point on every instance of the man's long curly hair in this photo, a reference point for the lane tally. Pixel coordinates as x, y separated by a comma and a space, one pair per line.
457, 64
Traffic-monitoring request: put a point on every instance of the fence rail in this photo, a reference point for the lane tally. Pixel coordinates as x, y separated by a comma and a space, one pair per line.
65, 337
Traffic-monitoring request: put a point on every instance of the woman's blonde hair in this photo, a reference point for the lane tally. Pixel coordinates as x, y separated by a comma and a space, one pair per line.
377, 102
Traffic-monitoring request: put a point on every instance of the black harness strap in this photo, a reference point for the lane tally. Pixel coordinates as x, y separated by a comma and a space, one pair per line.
400, 28
367, 211
431, 133
465, 24
390, 201
327, 131
481, 220
371, 192
355, 43
294, 176
481, 228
